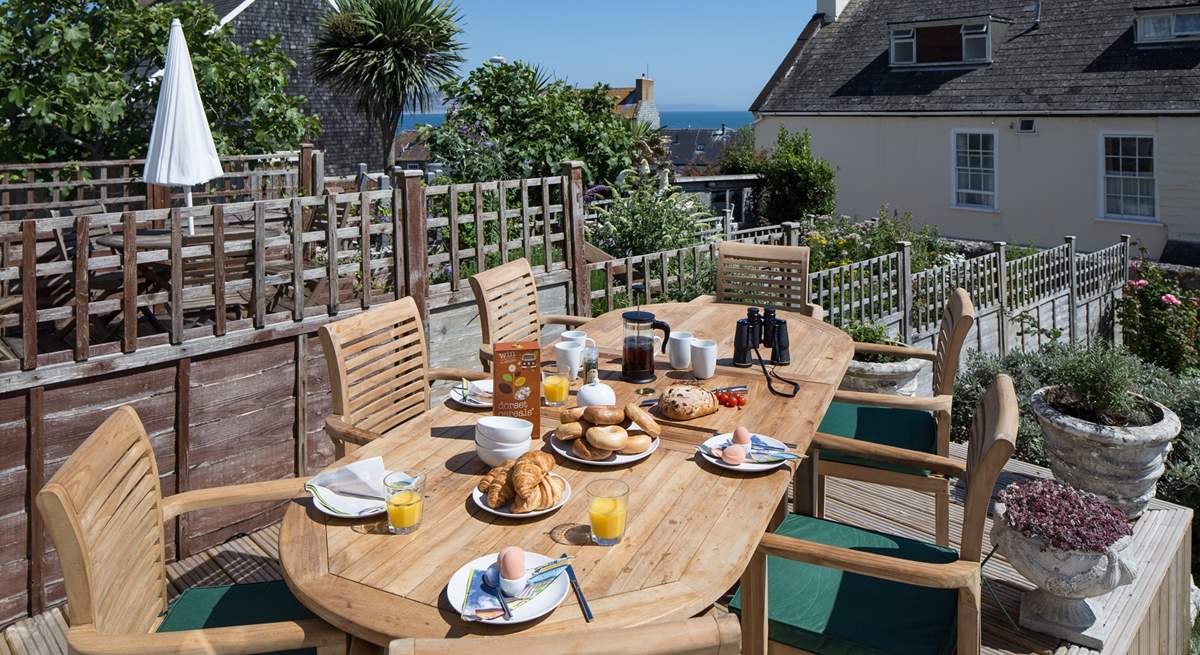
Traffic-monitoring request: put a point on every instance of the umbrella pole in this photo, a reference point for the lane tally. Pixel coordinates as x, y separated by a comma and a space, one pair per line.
187, 201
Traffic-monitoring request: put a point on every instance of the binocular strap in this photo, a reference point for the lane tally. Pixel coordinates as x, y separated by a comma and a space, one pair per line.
772, 376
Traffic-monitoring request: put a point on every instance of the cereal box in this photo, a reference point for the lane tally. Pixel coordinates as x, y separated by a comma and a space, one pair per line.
517, 382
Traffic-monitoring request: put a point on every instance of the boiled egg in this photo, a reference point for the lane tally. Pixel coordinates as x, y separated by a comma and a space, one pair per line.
741, 436
733, 455
512, 563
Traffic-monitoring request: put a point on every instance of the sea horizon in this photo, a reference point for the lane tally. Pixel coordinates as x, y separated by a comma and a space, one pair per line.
731, 119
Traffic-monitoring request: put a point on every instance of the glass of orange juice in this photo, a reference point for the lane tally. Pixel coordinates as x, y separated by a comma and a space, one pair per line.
556, 387
405, 504
608, 507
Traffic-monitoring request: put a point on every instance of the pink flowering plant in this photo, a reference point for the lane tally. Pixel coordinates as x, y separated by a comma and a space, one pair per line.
1160, 320
1062, 517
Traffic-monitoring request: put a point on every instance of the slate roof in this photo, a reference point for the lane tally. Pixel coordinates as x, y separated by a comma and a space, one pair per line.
683, 141
1081, 58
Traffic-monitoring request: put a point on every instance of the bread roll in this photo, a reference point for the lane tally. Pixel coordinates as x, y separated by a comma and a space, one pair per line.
604, 415
637, 444
643, 419
571, 415
607, 437
583, 450
570, 431
683, 402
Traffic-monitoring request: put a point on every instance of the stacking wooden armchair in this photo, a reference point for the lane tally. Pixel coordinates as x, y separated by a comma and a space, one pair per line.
707, 635
838, 588
508, 307
755, 274
860, 423
379, 373
105, 514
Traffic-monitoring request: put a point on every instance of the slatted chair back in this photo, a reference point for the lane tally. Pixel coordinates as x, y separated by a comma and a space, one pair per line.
756, 274
201, 269
377, 363
993, 439
508, 303
103, 510
957, 319
706, 635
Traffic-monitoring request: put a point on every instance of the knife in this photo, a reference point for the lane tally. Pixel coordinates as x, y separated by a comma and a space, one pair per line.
583, 605
495, 591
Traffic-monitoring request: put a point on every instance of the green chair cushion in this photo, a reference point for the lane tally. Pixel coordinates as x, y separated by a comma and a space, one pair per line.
233, 605
910, 429
832, 612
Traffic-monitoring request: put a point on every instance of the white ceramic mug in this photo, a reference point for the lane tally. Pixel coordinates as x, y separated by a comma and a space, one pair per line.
577, 336
568, 355
679, 350
704, 358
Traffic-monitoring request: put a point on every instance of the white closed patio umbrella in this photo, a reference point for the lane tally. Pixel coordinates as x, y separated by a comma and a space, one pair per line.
181, 145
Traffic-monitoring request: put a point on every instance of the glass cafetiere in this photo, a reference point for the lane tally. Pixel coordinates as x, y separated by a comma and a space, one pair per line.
637, 353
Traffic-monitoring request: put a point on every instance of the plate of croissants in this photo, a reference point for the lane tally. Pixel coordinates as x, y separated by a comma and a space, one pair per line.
606, 435
522, 488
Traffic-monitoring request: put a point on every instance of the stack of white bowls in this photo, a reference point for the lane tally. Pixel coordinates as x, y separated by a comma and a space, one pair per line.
498, 438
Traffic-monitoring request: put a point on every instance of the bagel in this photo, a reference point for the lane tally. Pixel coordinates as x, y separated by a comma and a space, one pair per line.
583, 450
637, 444
604, 415
570, 431
571, 415
643, 420
607, 437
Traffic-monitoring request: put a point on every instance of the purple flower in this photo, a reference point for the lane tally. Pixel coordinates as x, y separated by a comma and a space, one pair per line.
477, 124
1062, 517
488, 145
447, 269
462, 130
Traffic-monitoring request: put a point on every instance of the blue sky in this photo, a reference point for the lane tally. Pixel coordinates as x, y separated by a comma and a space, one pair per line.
698, 51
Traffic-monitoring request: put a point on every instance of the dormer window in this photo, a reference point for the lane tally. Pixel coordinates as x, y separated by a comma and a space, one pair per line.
975, 42
942, 42
1168, 26
904, 46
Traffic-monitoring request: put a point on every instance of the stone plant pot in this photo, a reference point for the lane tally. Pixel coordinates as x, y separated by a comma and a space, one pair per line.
1067, 582
893, 378
1122, 465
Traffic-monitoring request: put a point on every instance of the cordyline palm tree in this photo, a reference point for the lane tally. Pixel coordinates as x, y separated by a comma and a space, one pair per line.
391, 55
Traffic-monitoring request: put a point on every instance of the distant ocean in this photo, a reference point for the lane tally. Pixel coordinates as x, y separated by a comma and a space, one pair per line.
700, 119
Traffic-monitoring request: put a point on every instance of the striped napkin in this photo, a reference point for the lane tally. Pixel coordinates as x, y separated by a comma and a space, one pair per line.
352, 490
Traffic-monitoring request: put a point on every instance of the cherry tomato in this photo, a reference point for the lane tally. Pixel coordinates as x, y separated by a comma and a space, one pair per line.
741, 401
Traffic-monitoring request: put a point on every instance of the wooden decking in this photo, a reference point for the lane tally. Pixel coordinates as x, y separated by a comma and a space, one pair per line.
1148, 617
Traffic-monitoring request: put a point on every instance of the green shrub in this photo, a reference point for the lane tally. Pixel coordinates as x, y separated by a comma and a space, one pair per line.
1160, 323
836, 241
1099, 382
871, 333
646, 215
796, 182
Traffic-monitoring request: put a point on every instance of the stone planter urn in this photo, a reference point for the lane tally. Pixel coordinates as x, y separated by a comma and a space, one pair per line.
894, 378
1068, 582
1120, 464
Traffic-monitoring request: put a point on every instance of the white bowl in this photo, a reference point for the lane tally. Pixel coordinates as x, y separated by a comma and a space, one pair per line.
496, 456
491, 444
504, 429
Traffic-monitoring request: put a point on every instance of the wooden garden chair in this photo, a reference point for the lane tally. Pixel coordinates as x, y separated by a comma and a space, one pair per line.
508, 307
379, 373
769, 276
838, 588
711, 634
105, 513
917, 423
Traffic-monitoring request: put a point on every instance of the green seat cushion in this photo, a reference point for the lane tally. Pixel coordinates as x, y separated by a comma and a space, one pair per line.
233, 605
832, 612
910, 429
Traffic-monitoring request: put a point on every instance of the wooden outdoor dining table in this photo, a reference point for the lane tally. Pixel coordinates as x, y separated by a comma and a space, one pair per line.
691, 530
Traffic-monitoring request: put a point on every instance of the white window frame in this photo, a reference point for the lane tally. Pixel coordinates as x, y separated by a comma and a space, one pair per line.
995, 133
1173, 33
1175, 24
987, 36
1102, 175
910, 38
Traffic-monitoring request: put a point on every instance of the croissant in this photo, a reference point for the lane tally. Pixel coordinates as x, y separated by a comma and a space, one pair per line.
544, 495
496, 485
529, 470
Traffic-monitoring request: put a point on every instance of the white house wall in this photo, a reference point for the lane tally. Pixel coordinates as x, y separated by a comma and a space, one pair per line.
1047, 183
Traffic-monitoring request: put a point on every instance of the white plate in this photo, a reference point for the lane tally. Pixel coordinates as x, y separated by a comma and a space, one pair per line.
541, 605
749, 467
456, 394
616, 459
478, 496
332, 512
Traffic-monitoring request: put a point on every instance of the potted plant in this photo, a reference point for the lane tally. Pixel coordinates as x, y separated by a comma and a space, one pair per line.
1067, 543
1100, 436
879, 373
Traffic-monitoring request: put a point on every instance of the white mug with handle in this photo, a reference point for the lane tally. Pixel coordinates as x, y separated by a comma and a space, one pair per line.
568, 355
679, 350
704, 358
577, 336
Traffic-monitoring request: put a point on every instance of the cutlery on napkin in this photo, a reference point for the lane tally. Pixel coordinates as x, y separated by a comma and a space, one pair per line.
477, 390
351, 490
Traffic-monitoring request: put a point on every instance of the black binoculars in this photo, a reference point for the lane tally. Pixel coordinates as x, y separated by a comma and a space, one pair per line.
763, 329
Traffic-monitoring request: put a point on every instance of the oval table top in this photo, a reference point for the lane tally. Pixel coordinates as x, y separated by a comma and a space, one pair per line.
692, 526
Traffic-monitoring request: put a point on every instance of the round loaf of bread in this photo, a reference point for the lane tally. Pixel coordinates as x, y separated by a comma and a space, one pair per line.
604, 415
643, 419
581, 449
607, 437
637, 444
683, 402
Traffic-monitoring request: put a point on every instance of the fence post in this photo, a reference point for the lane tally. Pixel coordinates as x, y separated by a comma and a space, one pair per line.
361, 179
727, 223
306, 170
906, 290
1072, 291
572, 199
318, 172
791, 233
1125, 241
416, 241
1001, 249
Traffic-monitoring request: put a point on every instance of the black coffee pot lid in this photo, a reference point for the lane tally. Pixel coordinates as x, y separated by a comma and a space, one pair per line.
638, 317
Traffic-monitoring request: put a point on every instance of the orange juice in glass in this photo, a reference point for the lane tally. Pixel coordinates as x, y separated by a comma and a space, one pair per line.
556, 388
405, 504
608, 507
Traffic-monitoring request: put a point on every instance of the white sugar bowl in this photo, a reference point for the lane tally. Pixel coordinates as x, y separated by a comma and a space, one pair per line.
596, 393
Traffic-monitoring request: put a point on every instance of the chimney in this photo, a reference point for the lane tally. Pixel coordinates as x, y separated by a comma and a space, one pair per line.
831, 8
645, 89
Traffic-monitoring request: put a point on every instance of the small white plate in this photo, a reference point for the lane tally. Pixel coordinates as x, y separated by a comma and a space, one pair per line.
324, 509
478, 496
541, 605
457, 395
748, 467
616, 459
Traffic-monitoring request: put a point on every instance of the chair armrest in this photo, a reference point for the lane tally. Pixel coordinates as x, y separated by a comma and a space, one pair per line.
562, 319
703, 300
893, 350
455, 374
339, 429
941, 403
815, 311
235, 640
952, 575
485, 352
891, 454
234, 494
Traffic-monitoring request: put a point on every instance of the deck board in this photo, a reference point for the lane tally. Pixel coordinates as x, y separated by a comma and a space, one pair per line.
1141, 611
